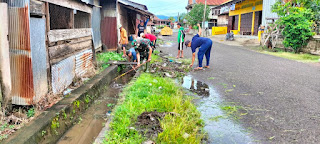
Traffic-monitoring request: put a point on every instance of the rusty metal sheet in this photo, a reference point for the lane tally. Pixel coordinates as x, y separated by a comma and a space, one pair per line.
83, 62
20, 52
109, 32
63, 74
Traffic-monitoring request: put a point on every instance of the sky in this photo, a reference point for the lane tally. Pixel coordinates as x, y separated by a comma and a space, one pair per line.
165, 7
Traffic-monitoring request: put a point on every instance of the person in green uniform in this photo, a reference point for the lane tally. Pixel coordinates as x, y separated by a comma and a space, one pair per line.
181, 36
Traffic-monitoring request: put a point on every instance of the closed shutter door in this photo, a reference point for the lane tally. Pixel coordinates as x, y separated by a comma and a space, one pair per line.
236, 21
246, 22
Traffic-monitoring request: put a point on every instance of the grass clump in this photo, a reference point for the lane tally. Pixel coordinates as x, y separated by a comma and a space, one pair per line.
307, 58
149, 93
109, 56
155, 58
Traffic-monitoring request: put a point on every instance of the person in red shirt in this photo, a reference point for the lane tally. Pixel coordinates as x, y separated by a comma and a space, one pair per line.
151, 37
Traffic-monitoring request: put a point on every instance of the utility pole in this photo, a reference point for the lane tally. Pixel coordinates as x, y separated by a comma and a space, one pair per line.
204, 14
178, 17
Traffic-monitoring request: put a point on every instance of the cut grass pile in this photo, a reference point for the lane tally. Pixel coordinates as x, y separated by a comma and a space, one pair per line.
109, 56
149, 93
307, 58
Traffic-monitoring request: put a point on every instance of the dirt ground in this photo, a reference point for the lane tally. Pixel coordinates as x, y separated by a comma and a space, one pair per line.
148, 123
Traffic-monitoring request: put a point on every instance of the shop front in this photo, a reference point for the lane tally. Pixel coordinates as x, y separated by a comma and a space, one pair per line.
246, 17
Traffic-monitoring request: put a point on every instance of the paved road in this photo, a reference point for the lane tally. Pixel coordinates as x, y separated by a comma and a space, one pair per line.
282, 96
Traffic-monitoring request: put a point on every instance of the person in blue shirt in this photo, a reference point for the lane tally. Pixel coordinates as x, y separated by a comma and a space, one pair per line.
132, 55
204, 45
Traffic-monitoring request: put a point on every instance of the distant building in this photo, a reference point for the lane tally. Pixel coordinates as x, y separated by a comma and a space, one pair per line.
245, 16
213, 15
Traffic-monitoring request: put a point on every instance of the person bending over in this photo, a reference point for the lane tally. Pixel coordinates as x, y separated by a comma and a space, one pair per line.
143, 49
204, 45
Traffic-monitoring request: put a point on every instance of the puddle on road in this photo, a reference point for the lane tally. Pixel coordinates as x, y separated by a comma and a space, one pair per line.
220, 130
93, 119
167, 44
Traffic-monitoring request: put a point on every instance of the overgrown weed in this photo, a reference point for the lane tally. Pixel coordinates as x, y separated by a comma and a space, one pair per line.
149, 93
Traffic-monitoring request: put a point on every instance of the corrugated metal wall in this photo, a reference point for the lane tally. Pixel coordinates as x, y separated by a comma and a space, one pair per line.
39, 57
96, 22
83, 62
109, 32
63, 74
267, 12
20, 52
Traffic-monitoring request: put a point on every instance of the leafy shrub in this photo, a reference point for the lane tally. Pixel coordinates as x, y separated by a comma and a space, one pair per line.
296, 23
109, 56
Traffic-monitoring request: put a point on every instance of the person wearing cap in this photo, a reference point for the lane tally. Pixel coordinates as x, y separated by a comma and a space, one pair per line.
180, 40
143, 49
123, 39
150, 37
205, 45
141, 27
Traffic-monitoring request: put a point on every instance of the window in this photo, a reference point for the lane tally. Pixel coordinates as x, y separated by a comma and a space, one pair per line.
82, 20
215, 11
60, 17
65, 18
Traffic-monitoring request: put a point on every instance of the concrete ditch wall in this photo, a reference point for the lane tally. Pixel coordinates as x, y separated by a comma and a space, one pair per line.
54, 122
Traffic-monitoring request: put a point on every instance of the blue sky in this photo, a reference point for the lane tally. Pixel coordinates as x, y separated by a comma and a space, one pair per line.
165, 7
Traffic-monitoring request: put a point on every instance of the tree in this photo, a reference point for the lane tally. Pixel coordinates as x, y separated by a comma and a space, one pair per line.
172, 19
196, 14
296, 23
181, 17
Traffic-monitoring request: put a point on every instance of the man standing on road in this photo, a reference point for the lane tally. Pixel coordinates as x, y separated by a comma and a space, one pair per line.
123, 39
205, 45
152, 38
180, 40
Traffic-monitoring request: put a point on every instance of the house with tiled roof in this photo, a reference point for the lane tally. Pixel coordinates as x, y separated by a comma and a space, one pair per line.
213, 15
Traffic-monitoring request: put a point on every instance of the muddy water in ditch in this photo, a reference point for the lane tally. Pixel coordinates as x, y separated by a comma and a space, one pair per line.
220, 131
93, 120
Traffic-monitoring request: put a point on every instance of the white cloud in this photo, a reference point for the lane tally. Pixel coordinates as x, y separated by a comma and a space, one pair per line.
165, 7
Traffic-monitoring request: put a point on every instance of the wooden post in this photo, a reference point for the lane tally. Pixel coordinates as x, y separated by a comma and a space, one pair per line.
5, 72
47, 14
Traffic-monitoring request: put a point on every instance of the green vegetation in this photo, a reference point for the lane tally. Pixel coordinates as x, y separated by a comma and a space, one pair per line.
149, 93
109, 56
196, 14
217, 118
181, 17
234, 111
155, 58
307, 58
297, 24
161, 26
30, 113
43, 133
172, 19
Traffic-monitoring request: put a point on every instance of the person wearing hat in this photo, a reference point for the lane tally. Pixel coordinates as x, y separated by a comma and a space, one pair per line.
180, 40
123, 39
143, 49
141, 27
204, 45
